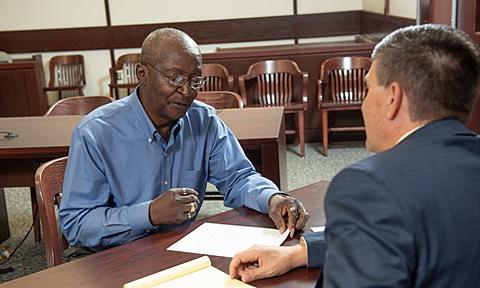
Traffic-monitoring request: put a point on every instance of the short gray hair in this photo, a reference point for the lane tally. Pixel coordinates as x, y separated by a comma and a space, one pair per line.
161, 39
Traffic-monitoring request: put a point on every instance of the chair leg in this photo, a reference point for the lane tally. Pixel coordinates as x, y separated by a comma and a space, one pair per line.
301, 133
36, 218
325, 132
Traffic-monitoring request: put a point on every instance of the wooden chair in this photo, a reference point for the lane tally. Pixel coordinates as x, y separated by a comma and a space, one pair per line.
48, 183
77, 105
341, 87
123, 75
278, 83
221, 99
67, 73
217, 78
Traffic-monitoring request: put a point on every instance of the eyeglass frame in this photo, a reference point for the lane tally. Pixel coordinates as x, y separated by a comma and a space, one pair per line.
172, 79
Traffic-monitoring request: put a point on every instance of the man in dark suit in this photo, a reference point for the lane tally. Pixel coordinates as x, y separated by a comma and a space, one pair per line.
408, 216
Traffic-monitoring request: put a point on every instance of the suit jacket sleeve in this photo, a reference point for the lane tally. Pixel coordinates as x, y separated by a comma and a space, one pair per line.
368, 235
316, 248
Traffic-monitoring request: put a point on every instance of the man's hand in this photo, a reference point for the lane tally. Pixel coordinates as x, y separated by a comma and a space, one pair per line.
174, 206
283, 207
260, 261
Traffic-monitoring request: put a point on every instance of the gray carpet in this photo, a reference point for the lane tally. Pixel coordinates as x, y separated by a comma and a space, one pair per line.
30, 257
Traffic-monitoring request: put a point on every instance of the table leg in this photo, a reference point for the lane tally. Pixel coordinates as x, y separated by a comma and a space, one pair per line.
4, 229
36, 218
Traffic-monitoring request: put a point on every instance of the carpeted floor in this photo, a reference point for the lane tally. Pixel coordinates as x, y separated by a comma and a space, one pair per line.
300, 172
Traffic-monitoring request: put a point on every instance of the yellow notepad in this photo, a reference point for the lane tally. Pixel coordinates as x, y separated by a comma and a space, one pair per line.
196, 273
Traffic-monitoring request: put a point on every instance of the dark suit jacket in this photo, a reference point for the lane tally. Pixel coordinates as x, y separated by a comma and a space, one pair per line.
406, 217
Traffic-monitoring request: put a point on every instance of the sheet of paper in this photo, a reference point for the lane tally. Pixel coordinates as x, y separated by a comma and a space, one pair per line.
318, 229
226, 240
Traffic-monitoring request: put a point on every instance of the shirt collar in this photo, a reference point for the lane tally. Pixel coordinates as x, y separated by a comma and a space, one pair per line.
147, 124
408, 133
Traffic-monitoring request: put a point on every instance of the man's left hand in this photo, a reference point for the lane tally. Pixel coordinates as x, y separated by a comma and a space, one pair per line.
287, 213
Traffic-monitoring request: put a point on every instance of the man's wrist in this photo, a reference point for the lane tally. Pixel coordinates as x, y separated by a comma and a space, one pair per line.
299, 255
280, 193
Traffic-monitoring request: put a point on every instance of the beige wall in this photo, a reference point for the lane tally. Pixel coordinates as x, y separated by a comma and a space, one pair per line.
51, 14
403, 8
375, 6
324, 6
48, 14
124, 12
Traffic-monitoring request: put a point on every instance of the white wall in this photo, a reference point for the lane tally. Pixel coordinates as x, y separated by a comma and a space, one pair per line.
403, 8
325, 6
51, 14
375, 6
48, 14
125, 12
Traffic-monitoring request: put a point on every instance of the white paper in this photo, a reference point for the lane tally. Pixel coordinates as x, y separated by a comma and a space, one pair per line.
318, 229
227, 240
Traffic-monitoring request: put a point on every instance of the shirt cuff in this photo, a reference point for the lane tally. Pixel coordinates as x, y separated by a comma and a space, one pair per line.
263, 199
138, 216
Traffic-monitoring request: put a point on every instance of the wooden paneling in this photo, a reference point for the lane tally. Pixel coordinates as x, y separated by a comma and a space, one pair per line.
21, 89
207, 32
4, 229
379, 25
204, 32
329, 24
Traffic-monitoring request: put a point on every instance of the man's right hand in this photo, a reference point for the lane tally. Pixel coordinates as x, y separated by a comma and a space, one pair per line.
174, 206
261, 261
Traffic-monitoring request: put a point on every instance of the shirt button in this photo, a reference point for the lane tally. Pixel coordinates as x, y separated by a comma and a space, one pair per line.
165, 154
150, 140
165, 182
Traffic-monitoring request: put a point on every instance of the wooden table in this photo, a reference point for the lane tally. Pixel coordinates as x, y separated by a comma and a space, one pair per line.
259, 130
119, 265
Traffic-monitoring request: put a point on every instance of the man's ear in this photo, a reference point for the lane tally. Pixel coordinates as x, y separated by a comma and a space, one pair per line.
141, 72
395, 99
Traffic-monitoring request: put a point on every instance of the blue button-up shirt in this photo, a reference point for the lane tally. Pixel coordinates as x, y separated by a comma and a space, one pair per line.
118, 163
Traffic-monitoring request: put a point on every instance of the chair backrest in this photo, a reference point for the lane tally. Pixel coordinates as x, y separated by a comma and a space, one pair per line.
220, 99
77, 105
342, 79
67, 71
274, 83
124, 70
217, 78
48, 185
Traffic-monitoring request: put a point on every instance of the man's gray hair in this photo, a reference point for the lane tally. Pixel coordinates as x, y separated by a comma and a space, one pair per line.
162, 39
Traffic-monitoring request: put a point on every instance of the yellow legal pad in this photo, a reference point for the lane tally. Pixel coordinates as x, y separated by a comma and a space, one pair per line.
195, 273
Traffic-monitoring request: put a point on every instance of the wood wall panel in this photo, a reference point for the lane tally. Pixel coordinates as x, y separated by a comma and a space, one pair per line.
208, 32
204, 32
378, 25
55, 40
329, 24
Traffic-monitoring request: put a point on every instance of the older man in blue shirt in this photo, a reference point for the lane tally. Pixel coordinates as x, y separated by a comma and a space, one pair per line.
141, 164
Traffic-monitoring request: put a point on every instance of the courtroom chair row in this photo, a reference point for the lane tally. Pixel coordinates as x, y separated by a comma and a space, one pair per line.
266, 83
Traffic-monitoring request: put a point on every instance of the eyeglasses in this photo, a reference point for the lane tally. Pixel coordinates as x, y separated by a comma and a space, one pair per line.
179, 80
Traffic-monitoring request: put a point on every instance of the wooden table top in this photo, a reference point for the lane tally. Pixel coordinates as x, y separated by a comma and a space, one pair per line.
38, 136
117, 266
